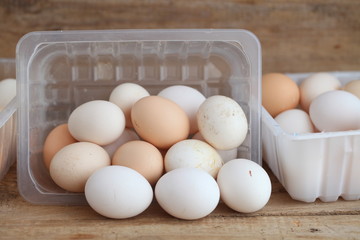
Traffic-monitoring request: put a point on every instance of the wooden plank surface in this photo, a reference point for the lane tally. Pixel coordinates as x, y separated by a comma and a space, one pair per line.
281, 218
296, 36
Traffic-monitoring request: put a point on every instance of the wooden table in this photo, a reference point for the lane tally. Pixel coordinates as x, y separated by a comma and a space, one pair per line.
281, 218
296, 36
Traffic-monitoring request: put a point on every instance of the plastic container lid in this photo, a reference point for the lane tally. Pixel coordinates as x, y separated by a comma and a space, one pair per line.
322, 165
58, 71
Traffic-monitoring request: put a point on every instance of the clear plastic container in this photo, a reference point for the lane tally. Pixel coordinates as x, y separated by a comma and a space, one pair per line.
315, 165
7, 122
58, 71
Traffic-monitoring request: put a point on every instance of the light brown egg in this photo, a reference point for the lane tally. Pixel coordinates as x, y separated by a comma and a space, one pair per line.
315, 85
73, 165
353, 87
279, 93
58, 138
142, 157
160, 121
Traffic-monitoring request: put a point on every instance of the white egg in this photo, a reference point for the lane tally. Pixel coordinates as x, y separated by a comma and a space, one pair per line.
7, 91
125, 95
190, 104
226, 155
193, 153
335, 111
187, 193
222, 122
314, 85
118, 192
127, 136
244, 185
295, 121
97, 121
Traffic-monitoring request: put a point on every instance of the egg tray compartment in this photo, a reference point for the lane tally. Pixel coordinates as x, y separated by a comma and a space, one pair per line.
7, 122
57, 76
314, 165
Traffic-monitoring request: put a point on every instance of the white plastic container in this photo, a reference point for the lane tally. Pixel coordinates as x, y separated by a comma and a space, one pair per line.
7, 122
58, 71
314, 165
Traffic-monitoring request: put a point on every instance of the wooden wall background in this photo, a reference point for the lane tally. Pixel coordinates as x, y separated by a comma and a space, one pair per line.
296, 36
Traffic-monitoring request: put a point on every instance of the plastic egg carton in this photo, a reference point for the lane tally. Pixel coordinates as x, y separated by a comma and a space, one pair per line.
7, 122
314, 165
58, 71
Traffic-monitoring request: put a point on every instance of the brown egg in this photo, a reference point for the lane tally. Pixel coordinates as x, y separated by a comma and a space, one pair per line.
279, 93
160, 121
58, 138
142, 157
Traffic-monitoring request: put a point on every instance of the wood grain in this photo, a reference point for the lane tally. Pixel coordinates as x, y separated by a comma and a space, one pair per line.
296, 36
281, 218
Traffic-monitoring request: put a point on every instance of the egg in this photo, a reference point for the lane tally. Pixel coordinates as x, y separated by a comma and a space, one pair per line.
193, 153
97, 121
160, 121
58, 138
222, 122
127, 135
125, 95
336, 110
353, 87
73, 164
7, 91
187, 193
314, 85
226, 155
142, 157
295, 121
279, 93
244, 185
189, 104
118, 192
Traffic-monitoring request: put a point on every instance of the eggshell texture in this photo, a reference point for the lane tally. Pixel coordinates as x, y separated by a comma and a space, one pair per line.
188, 98
353, 87
187, 193
142, 157
160, 121
335, 111
7, 91
222, 122
226, 155
315, 85
244, 185
118, 192
279, 93
58, 138
97, 121
127, 136
125, 95
295, 121
72, 165
193, 153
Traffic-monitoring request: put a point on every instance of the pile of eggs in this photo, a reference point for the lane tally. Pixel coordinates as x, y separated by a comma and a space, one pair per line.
177, 146
7, 91
320, 103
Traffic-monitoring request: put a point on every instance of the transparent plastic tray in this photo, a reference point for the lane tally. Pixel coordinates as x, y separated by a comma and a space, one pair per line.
58, 71
7, 122
315, 165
